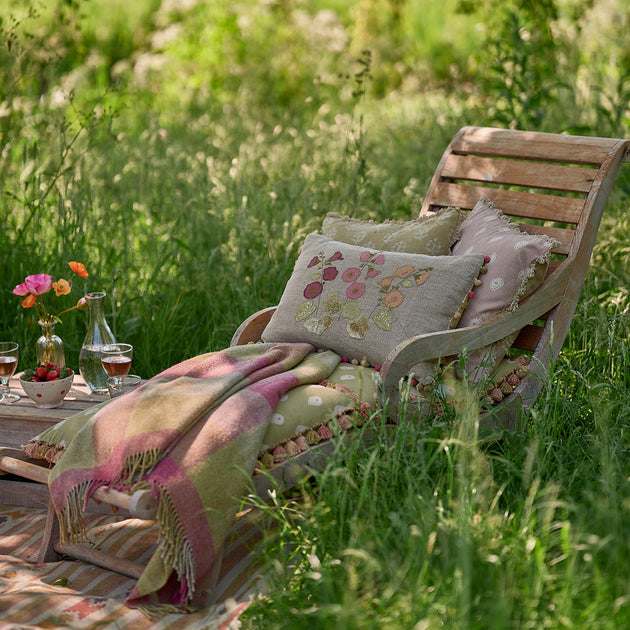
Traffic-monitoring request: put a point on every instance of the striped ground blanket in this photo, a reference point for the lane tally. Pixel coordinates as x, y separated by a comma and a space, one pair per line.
192, 435
73, 595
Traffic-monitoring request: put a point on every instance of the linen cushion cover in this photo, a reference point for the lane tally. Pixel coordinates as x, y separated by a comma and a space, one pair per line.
362, 302
516, 267
433, 235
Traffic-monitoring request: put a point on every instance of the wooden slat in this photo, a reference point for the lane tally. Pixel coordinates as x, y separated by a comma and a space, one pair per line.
528, 338
518, 173
553, 265
532, 145
24, 494
515, 203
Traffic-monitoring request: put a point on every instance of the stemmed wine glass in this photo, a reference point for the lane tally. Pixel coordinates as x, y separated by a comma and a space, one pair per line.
9, 352
116, 360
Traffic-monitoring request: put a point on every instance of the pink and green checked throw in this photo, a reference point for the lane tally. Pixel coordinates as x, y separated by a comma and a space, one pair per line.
192, 434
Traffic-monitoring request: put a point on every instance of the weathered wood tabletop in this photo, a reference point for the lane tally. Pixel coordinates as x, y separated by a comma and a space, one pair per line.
22, 420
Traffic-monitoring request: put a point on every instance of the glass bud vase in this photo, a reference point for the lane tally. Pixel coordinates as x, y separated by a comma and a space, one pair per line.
49, 347
98, 334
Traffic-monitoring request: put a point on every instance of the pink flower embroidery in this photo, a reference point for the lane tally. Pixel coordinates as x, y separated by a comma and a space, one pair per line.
355, 291
313, 290
372, 273
330, 273
365, 256
350, 275
336, 256
379, 260
314, 261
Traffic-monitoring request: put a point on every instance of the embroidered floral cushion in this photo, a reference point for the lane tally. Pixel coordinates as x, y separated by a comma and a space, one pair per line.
363, 302
516, 267
426, 235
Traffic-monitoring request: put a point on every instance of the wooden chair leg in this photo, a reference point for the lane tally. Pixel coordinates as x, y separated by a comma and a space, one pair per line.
47, 551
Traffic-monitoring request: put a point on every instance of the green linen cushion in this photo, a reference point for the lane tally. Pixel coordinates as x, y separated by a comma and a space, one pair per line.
432, 235
362, 302
516, 264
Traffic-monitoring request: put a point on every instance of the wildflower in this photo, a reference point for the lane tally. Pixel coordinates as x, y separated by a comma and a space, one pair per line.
37, 285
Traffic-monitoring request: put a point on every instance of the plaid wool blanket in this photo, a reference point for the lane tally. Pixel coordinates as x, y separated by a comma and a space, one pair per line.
192, 434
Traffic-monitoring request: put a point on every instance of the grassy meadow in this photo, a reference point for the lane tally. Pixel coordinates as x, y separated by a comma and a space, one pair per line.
183, 149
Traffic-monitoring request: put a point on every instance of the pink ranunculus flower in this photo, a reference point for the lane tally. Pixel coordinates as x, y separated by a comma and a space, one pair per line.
37, 284
21, 289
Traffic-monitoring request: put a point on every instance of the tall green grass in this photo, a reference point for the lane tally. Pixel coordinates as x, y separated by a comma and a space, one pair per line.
183, 155
433, 528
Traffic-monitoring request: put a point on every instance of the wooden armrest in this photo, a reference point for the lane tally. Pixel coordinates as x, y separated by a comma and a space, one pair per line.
252, 328
447, 343
141, 504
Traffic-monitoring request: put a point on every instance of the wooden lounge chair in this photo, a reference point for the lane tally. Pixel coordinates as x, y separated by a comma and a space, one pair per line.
557, 185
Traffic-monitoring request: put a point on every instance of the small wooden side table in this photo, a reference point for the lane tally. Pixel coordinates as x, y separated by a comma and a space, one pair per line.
21, 421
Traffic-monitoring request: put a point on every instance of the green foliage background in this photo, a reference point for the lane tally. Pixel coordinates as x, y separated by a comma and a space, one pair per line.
182, 149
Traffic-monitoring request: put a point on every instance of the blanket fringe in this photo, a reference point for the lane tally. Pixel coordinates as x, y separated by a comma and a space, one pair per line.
135, 467
174, 547
71, 525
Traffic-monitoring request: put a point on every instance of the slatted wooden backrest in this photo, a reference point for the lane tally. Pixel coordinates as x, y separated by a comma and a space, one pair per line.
549, 183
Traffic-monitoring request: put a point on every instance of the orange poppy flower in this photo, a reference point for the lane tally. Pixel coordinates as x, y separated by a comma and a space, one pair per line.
61, 287
29, 300
78, 268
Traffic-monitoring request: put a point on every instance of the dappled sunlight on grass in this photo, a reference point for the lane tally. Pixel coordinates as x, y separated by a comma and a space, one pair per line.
183, 151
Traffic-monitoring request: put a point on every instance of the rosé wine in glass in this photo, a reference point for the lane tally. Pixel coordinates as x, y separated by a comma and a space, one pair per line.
116, 366
9, 352
116, 359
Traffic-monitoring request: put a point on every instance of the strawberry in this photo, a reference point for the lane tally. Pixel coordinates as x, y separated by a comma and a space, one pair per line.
50, 366
41, 372
52, 375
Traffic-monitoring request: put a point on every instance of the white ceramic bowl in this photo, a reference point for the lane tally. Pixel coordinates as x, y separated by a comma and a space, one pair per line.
49, 394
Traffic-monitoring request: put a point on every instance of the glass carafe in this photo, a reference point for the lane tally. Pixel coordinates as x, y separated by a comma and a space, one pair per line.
98, 334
